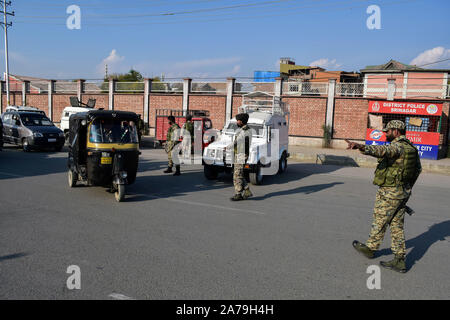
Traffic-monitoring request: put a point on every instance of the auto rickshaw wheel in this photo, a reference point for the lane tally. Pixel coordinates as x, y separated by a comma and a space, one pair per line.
72, 178
120, 192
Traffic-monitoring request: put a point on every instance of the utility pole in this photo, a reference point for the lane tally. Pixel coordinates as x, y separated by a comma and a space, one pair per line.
5, 25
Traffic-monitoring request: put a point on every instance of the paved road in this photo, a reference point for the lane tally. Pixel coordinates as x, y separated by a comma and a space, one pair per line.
181, 237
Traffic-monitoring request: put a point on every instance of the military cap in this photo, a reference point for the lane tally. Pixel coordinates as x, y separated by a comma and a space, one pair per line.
395, 124
243, 117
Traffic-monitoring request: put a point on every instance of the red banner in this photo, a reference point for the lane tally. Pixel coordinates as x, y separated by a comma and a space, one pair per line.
428, 138
407, 108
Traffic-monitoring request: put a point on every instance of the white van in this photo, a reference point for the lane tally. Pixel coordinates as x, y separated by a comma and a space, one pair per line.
269, 121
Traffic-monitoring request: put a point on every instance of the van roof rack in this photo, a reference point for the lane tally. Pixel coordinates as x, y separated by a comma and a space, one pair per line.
263, 102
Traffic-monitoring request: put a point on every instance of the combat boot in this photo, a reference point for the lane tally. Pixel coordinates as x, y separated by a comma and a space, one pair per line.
363, 249
397, 264
168, 170
237, 197
177, 171
247, 194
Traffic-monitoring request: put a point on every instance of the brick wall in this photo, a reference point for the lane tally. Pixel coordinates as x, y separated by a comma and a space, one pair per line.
215, 104
350, 118
60, 101
237, 102
15, 99
307, 115
129, 102
164, 101
39, 101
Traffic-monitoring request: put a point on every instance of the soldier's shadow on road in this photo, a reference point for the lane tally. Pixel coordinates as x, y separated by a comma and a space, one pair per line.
423, 242
148, 187
304, 189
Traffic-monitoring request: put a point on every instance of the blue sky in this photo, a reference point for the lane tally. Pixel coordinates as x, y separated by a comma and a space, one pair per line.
220, 38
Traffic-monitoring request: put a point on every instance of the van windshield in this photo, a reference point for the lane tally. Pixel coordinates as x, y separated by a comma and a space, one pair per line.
35, 120
257, 129
113, 131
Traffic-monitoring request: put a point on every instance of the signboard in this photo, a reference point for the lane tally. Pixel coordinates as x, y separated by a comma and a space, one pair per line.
406, 108
426, 142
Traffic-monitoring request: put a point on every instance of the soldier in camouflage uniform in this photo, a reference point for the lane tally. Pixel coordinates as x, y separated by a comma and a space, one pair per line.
241, 147
187, 132
397, 171
171, 143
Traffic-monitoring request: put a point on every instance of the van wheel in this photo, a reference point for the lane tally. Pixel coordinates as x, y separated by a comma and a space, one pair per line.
120, 193
283, 164
72, 178
256, 177
25, 145
210, 172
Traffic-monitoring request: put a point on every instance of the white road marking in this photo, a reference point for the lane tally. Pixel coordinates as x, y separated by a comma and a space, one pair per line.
12, 175
200, 204
118, 296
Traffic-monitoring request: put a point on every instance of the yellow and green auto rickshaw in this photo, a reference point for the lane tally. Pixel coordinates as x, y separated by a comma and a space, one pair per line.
103, 149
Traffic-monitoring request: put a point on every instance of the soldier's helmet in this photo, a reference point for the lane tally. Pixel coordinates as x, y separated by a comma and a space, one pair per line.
395, 124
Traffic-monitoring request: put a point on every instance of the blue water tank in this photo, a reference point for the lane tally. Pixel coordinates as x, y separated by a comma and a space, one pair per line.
265, 76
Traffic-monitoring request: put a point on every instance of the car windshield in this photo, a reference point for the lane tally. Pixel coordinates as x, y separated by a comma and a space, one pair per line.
35, 120
257, 129
113, 131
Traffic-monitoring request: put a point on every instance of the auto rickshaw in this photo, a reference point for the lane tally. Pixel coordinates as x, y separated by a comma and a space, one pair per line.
103, 149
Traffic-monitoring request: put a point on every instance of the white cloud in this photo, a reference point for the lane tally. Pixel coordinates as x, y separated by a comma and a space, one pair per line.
114, 62
325, 63
432, 55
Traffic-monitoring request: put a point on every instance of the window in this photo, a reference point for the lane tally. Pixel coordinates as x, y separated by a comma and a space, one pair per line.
113, 131
35, 120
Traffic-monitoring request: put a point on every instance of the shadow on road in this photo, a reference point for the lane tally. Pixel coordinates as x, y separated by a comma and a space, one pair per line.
423, 242
13, 256
304, 189
16, 163
192, 179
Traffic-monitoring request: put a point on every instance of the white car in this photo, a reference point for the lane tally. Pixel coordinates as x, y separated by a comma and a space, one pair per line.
268, 154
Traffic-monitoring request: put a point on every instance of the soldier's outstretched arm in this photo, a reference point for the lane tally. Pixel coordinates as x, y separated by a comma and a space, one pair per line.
392, 150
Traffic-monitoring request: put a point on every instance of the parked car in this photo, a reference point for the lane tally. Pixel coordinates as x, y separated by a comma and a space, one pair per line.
31, 130
1, 134
24, 109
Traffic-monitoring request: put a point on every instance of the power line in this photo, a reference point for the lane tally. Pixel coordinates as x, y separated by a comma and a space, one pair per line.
173, 13
427, 64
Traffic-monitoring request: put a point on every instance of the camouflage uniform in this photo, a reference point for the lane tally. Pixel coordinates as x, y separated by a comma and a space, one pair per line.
241, 153
398, 169
172, 141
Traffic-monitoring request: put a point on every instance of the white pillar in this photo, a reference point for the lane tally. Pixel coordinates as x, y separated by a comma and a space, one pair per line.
80, 88
330, 103
278, 86
112, 86
229, 105
25, 86
147, 90
186, 91
51, 89
391, 89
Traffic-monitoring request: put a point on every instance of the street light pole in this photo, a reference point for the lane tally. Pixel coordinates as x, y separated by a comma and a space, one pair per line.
5, 27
